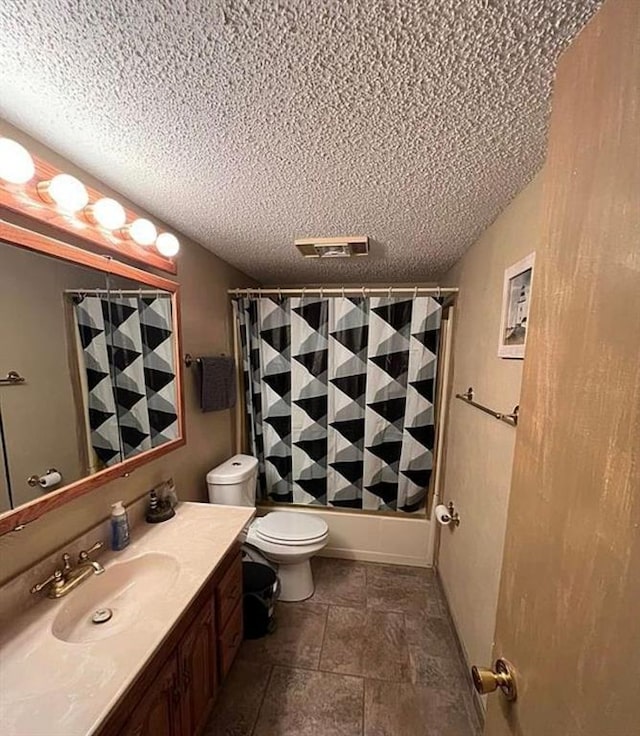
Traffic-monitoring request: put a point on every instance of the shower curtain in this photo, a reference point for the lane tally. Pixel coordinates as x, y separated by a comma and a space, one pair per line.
126, 351
339, 397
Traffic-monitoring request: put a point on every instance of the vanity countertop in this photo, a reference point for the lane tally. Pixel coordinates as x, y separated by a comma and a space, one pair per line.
49, 687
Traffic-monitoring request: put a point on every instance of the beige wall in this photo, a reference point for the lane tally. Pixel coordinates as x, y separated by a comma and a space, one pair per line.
479, 449
206, 329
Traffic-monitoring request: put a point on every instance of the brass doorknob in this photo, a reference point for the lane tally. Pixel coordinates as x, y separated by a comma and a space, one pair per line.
502, 676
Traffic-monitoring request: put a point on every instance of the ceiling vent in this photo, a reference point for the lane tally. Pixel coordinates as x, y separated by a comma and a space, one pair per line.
341, 247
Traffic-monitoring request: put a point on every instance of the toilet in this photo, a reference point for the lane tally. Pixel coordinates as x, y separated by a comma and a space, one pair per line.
287, 538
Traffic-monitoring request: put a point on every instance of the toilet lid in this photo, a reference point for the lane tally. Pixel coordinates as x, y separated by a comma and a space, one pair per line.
287, 526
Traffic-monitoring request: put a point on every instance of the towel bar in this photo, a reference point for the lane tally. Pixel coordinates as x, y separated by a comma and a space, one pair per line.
12, 378
510, 419
189, 359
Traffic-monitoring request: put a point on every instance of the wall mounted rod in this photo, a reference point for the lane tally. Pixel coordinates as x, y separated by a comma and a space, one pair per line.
510, 419
350, 290
189, 360
117, 292
13, 378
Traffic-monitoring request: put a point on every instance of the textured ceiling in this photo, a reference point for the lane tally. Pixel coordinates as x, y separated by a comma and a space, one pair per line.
247, 124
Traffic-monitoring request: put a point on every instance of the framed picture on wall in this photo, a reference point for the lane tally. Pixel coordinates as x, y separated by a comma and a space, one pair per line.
516, 297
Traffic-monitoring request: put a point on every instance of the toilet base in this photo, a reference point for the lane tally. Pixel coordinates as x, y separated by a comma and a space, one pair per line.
296, 581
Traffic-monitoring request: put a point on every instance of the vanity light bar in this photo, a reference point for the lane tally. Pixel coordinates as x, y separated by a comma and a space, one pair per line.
16, 164
66, 192
69, 196
141, 231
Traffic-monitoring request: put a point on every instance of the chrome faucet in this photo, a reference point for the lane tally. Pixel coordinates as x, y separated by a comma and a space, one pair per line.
61, 582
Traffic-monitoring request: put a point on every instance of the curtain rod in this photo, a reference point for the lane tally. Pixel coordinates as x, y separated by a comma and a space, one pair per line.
119, 292
340, 291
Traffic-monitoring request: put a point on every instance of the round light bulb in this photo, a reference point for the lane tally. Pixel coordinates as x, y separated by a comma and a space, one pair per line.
16, 164
108, 213
167, 244
67, 192
142, 231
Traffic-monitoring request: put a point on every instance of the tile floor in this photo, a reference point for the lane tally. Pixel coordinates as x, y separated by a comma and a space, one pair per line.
370, 654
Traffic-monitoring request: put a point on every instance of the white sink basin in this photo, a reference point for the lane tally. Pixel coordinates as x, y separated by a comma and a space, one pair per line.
118, 595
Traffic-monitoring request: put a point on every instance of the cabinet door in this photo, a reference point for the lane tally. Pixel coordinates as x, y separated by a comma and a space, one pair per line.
229, 592
230, 640
197, 657
158, 713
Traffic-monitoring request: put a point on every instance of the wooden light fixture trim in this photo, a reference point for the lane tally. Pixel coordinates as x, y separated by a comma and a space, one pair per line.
25, 200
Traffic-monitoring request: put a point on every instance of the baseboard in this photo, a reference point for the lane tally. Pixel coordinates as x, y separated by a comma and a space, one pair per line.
478, 704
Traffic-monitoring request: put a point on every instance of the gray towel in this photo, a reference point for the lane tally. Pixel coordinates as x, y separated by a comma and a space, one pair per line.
217, 383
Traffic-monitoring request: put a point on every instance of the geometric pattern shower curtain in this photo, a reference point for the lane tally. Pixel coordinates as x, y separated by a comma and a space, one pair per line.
127, 353
340, 398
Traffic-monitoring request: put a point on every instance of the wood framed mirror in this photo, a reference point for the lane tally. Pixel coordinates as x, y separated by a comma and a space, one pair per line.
90, 372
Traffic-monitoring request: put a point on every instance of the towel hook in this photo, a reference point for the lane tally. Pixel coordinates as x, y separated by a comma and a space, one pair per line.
439, 292
343, 291
415, 292
322, 292
389, 294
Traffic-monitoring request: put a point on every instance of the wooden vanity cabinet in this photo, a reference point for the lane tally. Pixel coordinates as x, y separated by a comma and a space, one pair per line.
158, 712
229, 641
229, 616
174, 694
197, 665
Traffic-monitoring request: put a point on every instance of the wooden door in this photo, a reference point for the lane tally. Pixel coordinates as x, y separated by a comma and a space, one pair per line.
158, 713
198, 671
569, 606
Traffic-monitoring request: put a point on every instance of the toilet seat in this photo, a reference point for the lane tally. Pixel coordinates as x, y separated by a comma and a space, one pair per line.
291, 529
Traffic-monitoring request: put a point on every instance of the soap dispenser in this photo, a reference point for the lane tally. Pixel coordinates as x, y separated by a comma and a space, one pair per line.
119, 526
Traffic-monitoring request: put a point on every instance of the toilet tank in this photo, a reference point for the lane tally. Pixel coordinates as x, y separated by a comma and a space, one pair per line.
234, 482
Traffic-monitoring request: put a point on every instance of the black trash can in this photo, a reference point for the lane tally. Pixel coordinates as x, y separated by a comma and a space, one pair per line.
259, 592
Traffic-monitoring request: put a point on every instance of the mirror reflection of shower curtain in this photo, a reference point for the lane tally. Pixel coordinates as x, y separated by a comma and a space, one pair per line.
339, 395
129, 388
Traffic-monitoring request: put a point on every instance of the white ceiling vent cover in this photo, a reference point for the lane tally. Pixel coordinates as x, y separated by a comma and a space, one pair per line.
341, 247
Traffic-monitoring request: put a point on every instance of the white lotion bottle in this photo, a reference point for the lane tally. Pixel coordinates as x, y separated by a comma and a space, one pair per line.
119, 526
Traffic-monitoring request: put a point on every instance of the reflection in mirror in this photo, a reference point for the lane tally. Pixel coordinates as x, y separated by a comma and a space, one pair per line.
128, 381
98, 357
39, 416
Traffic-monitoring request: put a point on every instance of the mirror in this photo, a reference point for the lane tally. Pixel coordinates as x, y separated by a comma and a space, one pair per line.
97, 349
